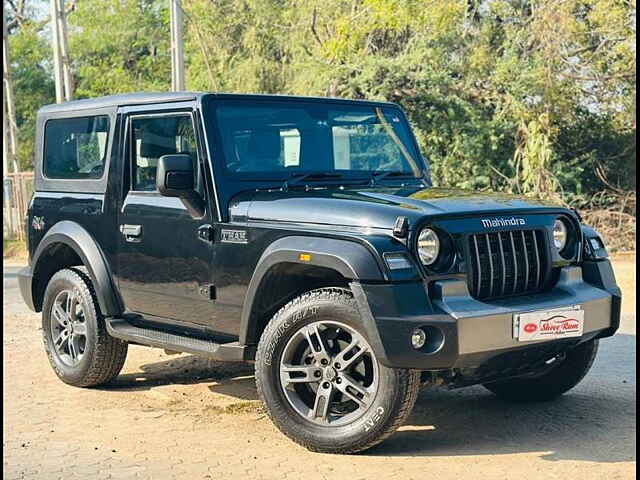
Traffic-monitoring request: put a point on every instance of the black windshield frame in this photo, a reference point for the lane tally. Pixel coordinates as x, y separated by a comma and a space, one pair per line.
221, 151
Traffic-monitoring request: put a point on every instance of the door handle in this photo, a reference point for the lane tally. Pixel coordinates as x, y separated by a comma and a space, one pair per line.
132, 233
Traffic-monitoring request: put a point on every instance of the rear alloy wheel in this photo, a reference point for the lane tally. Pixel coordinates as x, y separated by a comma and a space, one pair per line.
79, 348
320, 380
69, 327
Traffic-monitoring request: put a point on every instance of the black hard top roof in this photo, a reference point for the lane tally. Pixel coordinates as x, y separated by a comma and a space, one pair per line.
168, 97
120, 100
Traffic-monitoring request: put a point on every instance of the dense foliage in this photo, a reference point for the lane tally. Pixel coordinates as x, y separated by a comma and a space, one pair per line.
520, 95
529, 96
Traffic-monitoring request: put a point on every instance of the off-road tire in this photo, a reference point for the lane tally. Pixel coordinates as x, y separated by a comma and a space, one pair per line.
550, 385
392, 404
104, 355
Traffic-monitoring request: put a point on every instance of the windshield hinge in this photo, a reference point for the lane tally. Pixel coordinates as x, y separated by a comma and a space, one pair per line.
401, 227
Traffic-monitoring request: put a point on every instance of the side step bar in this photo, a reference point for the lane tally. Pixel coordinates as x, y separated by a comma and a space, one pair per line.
228, 352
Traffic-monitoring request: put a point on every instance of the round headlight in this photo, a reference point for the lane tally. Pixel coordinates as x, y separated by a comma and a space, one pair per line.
428, 246
559, 234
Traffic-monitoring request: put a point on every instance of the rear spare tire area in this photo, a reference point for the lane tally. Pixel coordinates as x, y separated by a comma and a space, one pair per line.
80, 350
320, 380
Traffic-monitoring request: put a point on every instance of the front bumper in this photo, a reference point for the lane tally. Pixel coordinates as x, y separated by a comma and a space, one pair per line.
475, 331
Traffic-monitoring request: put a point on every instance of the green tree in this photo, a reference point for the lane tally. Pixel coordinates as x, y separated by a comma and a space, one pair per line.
33, 82
517, 95
495, 89
120, 46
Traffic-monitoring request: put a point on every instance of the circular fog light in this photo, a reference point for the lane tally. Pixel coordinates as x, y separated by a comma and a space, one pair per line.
418, 338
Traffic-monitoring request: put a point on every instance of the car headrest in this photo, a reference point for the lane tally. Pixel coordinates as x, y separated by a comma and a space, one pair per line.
265, 144
69, 158
153, 145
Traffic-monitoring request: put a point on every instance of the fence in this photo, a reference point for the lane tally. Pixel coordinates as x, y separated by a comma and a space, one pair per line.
17, 189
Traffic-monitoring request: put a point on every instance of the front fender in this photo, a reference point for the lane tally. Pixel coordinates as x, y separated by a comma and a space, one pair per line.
85, 246
594, 247
352, 260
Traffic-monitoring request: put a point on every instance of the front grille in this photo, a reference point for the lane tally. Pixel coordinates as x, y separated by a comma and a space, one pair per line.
507, 263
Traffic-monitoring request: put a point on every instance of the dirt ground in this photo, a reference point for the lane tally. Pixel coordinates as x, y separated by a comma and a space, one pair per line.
184, 417
624, 265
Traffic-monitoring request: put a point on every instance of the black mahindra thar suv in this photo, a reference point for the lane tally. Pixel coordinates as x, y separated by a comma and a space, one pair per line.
301, 234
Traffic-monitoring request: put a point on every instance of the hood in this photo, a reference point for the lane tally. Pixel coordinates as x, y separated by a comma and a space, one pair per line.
376, 207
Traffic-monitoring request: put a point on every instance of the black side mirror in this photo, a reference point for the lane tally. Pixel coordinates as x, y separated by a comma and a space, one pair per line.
174, 175
174, 178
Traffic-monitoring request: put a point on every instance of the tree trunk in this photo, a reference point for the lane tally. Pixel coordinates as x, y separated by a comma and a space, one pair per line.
5, 138
9, 101
57, 60
177, 48
333, 88
61, 24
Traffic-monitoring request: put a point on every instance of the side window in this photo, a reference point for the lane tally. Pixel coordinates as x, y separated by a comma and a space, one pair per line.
75, 148
153, 137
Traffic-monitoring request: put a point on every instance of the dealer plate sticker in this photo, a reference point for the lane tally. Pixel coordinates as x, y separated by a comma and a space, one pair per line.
547, 325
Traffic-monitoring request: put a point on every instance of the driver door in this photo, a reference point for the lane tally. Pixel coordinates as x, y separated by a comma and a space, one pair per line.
164, 268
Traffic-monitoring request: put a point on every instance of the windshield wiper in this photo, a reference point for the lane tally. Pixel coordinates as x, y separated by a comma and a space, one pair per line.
376, 176
296, 178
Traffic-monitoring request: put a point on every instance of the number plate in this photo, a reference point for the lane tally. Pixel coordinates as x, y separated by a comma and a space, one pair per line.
548, 325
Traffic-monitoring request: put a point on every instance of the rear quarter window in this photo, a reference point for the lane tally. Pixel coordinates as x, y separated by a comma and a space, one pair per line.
75, 148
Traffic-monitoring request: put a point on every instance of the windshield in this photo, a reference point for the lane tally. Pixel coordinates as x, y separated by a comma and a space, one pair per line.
294, 138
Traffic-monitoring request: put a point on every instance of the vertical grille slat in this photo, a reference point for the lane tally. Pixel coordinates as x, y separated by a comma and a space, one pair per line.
526, 260
490, 264
512, 264
515, 263
503, 263
479, 272
538, 266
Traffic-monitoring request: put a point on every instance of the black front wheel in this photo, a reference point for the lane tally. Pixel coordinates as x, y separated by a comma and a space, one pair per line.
79, 348
570, 369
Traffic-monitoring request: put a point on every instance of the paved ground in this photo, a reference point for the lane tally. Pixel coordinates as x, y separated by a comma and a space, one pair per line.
183, 417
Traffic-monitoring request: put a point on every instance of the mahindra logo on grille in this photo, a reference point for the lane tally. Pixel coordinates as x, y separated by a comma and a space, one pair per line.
502, 222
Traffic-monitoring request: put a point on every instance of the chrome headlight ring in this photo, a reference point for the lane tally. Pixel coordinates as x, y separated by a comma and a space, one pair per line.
560, 233
428, 246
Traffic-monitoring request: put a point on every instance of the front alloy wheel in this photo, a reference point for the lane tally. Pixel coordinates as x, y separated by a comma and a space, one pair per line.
320, 380
329, 373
